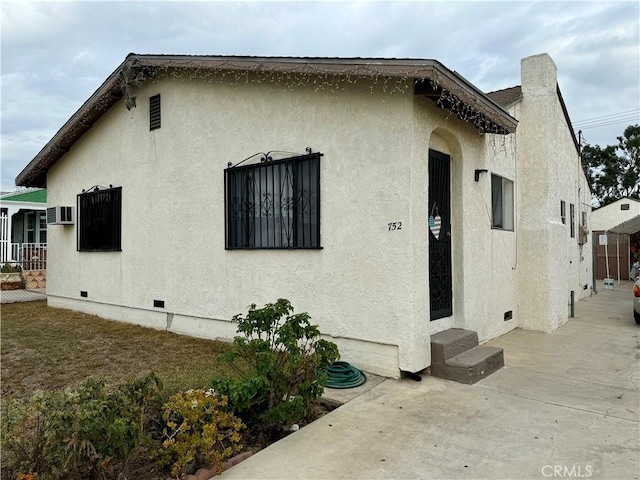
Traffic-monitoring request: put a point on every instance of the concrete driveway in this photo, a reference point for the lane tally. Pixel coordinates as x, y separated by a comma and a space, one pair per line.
566, 405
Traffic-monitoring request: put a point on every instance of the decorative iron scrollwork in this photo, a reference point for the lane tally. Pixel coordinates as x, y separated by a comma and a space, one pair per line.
269, 156
274, 204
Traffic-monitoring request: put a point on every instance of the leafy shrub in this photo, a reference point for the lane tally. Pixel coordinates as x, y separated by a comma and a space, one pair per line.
81, 432
199, 431
23, 439
277, 358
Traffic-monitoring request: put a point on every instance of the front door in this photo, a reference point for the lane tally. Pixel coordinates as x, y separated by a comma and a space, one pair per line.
440, 235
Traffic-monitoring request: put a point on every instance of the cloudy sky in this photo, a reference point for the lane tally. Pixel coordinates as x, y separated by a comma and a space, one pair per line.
56, 54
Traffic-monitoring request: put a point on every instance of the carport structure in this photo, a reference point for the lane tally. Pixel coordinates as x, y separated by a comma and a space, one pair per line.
627, 253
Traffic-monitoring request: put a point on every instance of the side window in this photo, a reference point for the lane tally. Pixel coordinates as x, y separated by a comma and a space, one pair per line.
42, 228
563, 212
31, 227
99, 220
572, 219
275, 204
501, 203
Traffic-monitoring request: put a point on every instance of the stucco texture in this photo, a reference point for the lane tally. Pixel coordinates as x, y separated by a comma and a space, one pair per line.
368, 287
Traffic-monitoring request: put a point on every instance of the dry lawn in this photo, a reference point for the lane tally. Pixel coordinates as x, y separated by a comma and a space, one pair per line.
51, 348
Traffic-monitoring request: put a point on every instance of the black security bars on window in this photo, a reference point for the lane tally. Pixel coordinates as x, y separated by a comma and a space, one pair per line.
100, 217
274, 204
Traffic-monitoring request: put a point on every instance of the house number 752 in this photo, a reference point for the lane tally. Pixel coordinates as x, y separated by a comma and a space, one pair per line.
395, 226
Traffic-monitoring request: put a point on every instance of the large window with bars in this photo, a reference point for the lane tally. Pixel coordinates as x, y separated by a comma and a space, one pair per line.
274, 204
100, 219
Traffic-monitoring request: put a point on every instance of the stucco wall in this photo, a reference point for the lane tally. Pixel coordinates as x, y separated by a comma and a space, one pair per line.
552, 263
502, 292
611, 215
367, 288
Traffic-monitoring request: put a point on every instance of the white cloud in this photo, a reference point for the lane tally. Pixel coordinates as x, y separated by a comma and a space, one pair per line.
55, 54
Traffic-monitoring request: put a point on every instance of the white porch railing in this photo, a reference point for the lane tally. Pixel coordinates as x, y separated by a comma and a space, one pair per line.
4, 239
30, 256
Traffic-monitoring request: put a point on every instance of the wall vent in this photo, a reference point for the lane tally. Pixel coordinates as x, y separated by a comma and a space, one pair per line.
158, 303
508, 315
84, 293
60, 215
154, 112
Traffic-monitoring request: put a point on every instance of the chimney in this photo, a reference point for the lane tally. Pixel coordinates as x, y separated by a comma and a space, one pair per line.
539, 74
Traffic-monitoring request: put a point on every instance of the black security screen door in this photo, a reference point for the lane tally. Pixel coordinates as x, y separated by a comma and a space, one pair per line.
440, 235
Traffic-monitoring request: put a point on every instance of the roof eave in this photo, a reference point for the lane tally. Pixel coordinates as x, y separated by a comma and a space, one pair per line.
565, 112
35, 173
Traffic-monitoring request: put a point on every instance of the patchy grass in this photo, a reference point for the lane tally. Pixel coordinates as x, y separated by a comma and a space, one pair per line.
51, 348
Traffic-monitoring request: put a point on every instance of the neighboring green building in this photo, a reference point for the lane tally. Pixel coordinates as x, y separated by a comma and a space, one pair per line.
23, 220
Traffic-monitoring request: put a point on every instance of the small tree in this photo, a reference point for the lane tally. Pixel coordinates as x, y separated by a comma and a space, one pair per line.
277, 358
614, 171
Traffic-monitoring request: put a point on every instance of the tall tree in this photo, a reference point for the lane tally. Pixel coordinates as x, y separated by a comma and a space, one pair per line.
614, 171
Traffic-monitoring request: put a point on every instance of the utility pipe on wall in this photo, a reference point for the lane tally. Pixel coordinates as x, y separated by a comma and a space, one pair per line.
572, 303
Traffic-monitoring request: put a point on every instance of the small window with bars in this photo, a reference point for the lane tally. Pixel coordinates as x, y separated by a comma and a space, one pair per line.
275, 204
154, 112
100, 220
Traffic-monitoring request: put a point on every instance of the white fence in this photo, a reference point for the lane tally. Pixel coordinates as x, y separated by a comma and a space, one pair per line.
4, 239
30, 256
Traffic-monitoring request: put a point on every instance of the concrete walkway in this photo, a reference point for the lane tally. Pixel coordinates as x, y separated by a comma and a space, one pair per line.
565, 406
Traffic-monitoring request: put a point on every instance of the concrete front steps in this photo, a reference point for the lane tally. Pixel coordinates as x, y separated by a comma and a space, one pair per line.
456, 355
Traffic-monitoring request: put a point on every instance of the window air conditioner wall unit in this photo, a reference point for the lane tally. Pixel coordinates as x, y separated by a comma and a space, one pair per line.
60, 215
583, 234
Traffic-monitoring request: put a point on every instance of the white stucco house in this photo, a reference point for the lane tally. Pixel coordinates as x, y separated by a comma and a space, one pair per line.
611, 215
391, 199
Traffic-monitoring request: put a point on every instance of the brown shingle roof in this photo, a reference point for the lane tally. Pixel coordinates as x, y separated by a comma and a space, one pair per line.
506, 96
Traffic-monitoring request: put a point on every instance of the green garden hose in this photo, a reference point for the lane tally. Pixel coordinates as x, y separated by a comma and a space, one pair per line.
344, 375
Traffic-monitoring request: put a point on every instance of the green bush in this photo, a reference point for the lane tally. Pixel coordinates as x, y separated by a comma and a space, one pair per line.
199, 431
79, 433
277, 358
23, 439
